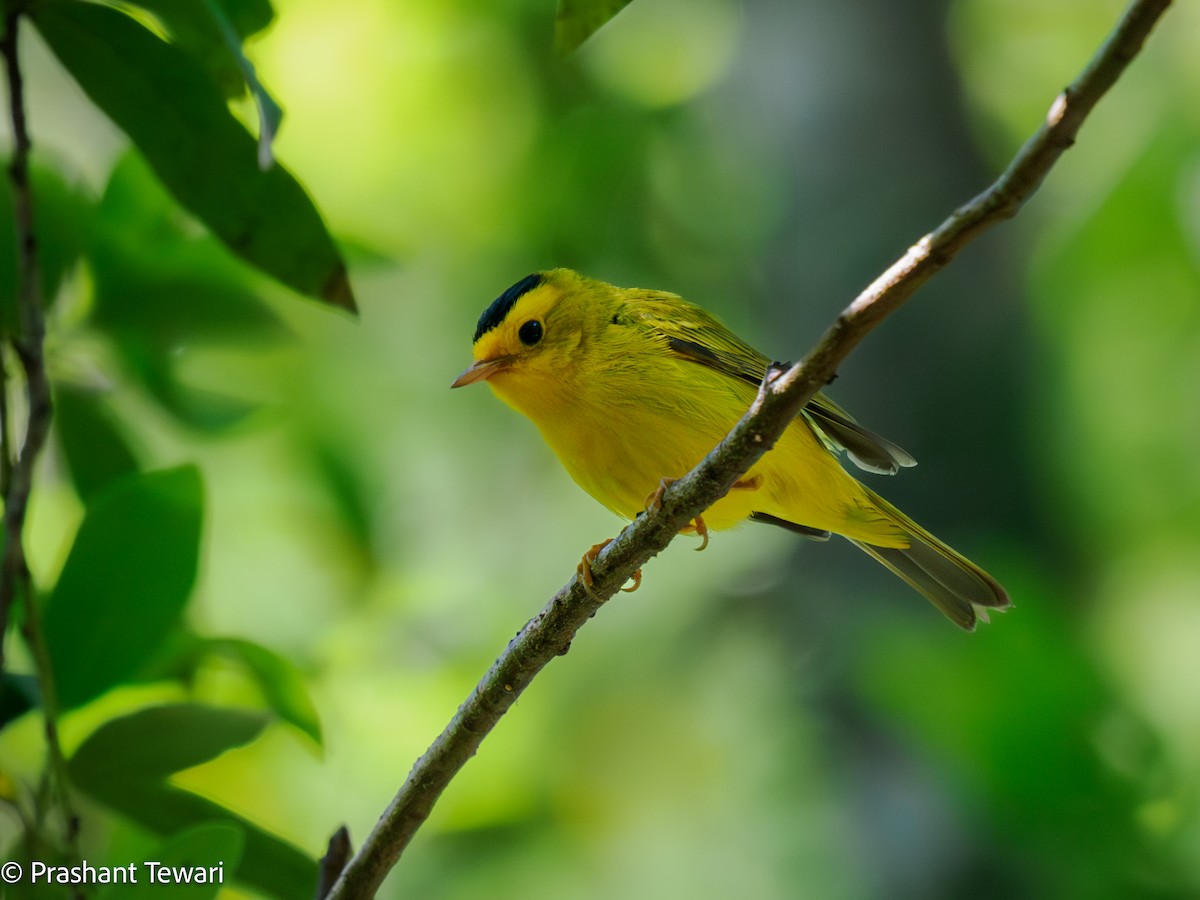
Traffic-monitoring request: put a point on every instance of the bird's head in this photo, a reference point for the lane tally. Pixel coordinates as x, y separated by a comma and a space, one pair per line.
530, 335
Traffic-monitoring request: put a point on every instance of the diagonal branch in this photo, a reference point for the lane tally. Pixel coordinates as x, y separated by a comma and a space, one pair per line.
783, 393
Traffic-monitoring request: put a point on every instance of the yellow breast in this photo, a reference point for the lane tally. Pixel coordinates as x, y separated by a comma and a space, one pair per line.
618, 435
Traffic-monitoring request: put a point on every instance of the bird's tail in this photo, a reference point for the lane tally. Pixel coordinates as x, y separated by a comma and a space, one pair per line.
953, 583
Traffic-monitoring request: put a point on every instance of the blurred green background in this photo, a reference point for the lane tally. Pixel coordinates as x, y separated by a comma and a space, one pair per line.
771, 718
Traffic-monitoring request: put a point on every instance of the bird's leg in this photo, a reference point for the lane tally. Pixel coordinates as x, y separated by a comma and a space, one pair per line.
654, 504
753, 483
584, 569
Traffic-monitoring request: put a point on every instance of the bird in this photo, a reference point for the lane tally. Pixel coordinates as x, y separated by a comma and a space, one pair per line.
632, 387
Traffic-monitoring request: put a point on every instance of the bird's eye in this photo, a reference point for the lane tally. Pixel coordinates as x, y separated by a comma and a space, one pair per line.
530, 333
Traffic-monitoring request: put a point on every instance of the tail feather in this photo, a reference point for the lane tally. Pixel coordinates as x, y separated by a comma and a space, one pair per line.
954, 584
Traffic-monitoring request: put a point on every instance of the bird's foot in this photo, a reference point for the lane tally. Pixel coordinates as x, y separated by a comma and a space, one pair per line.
654, 504
654, 498
699, 528
584, 569
753, 483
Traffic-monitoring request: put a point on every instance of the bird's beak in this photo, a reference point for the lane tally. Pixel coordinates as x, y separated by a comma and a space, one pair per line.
482, 370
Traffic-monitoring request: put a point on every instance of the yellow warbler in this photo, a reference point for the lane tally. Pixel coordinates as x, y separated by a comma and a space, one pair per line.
631, 388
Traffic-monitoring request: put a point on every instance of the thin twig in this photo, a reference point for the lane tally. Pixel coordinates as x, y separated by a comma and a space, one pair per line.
28, 344
337, 854
28, 340
6, 456
783, 393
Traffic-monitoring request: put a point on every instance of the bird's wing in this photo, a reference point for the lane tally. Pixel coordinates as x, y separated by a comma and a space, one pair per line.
691, 333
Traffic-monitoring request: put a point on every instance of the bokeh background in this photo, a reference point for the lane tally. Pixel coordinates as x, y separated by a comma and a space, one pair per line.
768, 719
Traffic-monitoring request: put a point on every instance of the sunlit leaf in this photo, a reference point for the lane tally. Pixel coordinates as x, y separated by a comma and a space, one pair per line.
126, 581
217, 844
577, 20
174, 113
158, 741
281, 682
123, 764
269, 863
96, 451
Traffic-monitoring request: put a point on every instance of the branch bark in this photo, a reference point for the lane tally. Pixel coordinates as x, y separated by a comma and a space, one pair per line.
784, 392
27, 342
16, 472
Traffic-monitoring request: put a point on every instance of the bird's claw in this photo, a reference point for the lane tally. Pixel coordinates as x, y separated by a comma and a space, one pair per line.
584, 569
654, 498
654, 504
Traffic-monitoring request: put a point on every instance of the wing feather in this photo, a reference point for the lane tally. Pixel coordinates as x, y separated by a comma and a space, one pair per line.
691, 333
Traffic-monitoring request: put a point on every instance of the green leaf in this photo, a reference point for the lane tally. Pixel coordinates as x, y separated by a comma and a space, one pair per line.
162, 98
269, 863
201, 409
161, 287
158, 279
248, 17
62, 214
270, 115
158, 741
97, 453
124, 764
197, 26
212, 32
281, 683
125, 582
577, 20
215, 844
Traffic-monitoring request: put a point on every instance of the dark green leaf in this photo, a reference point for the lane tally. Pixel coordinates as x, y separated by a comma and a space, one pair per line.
212, 32
125, 582
216, 844
282, 684
62, 214
577, 20
196, 26
248, 17
269, 112
96, 451
176, 116
18, 695
158, 741
269, 863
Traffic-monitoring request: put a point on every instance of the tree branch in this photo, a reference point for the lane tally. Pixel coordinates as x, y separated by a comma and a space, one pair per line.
784, 392
17, 469
28, 340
